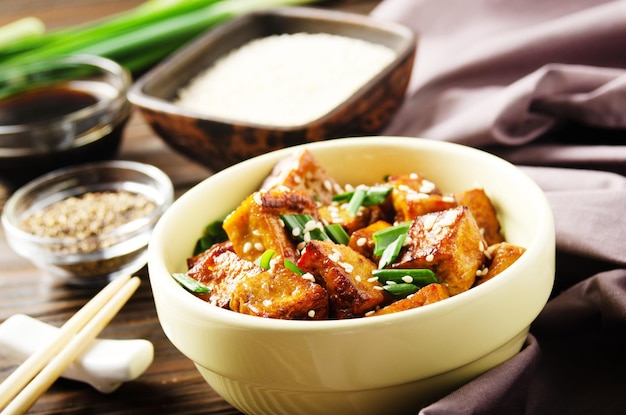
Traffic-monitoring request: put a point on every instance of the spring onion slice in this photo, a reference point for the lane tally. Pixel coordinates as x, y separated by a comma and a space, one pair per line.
264, 260
337, 233
419, 277
190, 284
391, 251
293, 267
213, 233
401, 290
384, 237
304, 227
363, 196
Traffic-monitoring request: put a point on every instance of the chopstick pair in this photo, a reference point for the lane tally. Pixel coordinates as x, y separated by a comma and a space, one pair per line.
32, 378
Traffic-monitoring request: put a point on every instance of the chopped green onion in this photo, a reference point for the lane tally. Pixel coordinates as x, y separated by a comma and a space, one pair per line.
401, 290
385, 237
264, 261
190, 284
391, 251
304, 227
337, 233
356, 201
293, 267
363, 196
419, 277
213, 233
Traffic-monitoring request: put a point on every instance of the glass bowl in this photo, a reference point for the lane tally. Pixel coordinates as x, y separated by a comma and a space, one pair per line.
60, 111
89, 223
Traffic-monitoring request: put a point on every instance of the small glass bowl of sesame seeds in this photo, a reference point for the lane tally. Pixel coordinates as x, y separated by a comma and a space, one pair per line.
88, 223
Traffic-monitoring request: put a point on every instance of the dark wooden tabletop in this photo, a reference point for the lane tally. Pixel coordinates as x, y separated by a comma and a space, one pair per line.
171, 385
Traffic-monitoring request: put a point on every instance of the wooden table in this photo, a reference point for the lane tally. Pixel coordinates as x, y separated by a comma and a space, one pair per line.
171, 385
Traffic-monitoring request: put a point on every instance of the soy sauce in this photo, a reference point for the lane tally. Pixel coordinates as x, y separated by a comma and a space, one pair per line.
44, 104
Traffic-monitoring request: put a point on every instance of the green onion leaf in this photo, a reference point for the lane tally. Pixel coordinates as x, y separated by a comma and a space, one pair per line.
418, 277
264, 261
401, 290
391, 251
290, 265
190, 284
337, 233
303, 228
356, 201
213, 233
376, 195
384, 237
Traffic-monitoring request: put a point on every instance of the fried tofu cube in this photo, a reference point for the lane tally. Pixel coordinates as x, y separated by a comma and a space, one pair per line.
255, 226
502, 255
414, 195
219, 268
448, 242
281, 294
485, 214
302, 171
362, 240
346, 275
426, 295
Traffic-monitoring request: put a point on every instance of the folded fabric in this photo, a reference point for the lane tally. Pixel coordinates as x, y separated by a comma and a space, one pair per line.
543, 85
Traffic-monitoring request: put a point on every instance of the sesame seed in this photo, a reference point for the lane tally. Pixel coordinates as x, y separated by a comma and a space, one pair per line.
267, 303
259, 246
247, 247
407, 278
328, 185
378, 287
308, 276
311, 313
297, 179
257, 198
372, 279
347, 267
361, 241
358, 278
369, 313
430, 258
414, 176
391, 283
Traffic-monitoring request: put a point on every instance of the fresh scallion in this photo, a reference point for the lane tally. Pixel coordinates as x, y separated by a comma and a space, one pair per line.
138, 38
337, 233
363, 196
304, 228
401, 290
190, 284
290, 265
385, 237
264, 260
391, 251
213, 233
420, 276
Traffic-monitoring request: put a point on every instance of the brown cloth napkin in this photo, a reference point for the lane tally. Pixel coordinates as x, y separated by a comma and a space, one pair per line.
542, 83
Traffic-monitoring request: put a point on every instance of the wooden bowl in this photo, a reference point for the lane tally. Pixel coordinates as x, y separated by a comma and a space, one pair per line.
219, 142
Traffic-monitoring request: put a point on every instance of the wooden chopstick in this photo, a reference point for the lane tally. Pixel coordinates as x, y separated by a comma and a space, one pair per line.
43, 367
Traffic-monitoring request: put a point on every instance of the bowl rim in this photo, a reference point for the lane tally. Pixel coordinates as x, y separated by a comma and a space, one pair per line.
165, 188
146, 102
159, 273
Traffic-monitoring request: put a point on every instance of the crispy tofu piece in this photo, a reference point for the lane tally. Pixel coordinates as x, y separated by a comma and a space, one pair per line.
281, 294
337, 213
301, 171
502, 255
346, 275
485, 214
255, 225
362, 240
414, 195
220, 269
426, 295
448, 242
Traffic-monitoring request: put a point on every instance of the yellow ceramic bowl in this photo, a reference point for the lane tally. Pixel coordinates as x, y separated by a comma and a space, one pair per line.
380, 365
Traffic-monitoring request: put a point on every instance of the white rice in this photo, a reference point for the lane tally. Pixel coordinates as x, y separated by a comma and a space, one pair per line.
285, 80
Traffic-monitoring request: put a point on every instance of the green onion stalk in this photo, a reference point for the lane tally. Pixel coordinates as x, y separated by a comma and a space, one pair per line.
136, 39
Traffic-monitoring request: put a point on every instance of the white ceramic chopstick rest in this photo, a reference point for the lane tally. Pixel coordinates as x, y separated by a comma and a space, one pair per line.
105, 365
